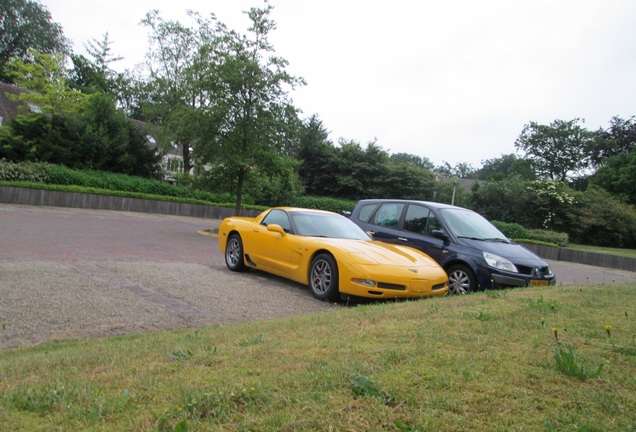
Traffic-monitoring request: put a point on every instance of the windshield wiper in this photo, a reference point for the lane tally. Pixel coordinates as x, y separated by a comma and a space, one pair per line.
497, 239
492, 239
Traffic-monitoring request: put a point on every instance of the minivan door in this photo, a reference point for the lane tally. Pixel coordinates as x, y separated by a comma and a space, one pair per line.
418, 226
385, 223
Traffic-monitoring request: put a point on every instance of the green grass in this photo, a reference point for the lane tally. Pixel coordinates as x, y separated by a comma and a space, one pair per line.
604, 250
523, 359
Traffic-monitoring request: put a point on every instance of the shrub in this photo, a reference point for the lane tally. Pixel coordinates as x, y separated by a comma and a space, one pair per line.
511, 230
335, 205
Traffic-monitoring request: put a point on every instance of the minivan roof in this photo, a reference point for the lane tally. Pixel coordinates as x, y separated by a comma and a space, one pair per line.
432, 204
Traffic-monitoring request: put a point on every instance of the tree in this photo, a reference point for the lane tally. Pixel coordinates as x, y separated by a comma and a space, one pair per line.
45, 76
245, 119
95, 74
557, 151
506, 166
461, 170
314, 152
618, 176
173, 96
413, 160
619, 138
27, 25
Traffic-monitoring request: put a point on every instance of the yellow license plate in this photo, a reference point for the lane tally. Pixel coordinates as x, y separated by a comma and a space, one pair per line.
538, 282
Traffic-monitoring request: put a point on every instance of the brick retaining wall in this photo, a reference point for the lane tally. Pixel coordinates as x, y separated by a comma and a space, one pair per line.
39, 197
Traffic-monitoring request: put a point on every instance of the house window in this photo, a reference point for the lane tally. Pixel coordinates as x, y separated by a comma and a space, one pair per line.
35, 109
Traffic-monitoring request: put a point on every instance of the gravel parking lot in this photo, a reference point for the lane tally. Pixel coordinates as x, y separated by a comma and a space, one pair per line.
77, 273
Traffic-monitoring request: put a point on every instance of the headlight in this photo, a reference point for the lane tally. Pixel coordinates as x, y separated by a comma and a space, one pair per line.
495, 261
364, 282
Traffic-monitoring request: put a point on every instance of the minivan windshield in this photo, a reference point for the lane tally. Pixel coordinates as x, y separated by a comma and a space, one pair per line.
468, 224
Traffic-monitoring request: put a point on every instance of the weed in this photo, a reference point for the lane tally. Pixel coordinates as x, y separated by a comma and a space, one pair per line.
568, 364
180, 354
254, 340
362, 386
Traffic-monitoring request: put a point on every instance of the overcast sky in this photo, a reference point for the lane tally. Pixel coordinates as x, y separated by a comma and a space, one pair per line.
452, 80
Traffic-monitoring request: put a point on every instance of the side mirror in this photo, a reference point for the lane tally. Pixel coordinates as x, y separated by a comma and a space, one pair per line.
439, 234
276, 228
370, 234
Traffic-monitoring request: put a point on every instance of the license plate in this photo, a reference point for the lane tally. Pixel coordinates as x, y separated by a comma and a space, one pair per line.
538, 282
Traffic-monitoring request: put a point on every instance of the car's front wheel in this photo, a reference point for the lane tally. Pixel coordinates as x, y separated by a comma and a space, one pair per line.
461, 280
234, 253
323, 277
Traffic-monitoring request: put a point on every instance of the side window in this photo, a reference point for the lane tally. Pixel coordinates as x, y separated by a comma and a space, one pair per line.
416, 218
366, 211
388, 215
278, 217
421, 220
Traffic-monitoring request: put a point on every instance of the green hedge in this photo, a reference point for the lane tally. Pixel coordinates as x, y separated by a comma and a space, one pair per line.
521, 234
37, 175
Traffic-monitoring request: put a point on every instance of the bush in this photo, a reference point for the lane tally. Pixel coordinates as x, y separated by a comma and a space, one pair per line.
519, 233
511, 230
335, 205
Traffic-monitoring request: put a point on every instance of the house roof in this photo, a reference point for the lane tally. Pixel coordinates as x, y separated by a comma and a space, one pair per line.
9, 108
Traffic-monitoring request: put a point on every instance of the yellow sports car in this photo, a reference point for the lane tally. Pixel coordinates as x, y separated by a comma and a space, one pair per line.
329, 253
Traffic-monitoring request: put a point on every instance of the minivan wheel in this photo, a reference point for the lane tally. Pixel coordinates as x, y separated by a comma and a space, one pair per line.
461, 280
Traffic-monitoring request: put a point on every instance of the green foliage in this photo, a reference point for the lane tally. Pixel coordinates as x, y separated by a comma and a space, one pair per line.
511, 230
601, 220
618, 176
506, 166
45, 75
27, 24
335, 205
549, 237
558, 150
568, 364
61, 175
101, 138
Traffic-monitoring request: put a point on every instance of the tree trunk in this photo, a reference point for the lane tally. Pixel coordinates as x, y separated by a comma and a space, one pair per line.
187, 164
239, 192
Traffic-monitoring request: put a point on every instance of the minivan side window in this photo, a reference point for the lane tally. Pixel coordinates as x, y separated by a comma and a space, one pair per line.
366, 211
420, 220
388, 215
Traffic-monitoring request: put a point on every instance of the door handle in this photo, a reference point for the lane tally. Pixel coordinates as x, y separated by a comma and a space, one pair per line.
402, 239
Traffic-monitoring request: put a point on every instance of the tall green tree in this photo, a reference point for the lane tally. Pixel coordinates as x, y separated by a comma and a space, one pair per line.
45, 75
27, 25
95, 74
506, 166
314, 152
246, 116
558, 151
171, 94
619, 138
413, 160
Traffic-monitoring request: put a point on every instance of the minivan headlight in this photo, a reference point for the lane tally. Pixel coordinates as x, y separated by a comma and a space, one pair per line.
495, 261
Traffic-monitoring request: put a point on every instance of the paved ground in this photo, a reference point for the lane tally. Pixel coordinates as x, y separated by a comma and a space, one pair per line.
76, 272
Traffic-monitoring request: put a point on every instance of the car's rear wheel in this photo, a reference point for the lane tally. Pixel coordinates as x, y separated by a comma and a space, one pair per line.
323, 277
234, 253
461, 280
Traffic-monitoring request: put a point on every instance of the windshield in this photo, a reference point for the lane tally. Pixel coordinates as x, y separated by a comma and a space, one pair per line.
326, 225
466, 223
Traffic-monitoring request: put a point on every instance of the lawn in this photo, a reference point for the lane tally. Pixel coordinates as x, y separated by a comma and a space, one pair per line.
604, 250
551, 358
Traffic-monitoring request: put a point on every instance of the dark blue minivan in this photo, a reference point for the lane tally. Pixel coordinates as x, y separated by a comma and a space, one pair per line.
474, 253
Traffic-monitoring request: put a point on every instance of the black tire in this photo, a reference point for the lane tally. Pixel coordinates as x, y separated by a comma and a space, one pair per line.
323, 277
461, 280
234, 257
